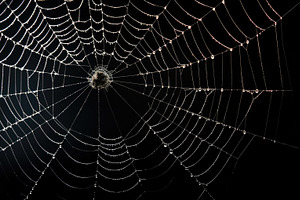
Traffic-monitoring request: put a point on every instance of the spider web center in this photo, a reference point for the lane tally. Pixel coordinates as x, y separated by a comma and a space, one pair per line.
100, 78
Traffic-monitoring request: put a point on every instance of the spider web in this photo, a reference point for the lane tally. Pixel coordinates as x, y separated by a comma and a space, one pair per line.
194, 85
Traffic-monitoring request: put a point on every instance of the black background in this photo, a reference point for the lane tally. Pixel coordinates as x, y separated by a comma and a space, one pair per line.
266, 170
